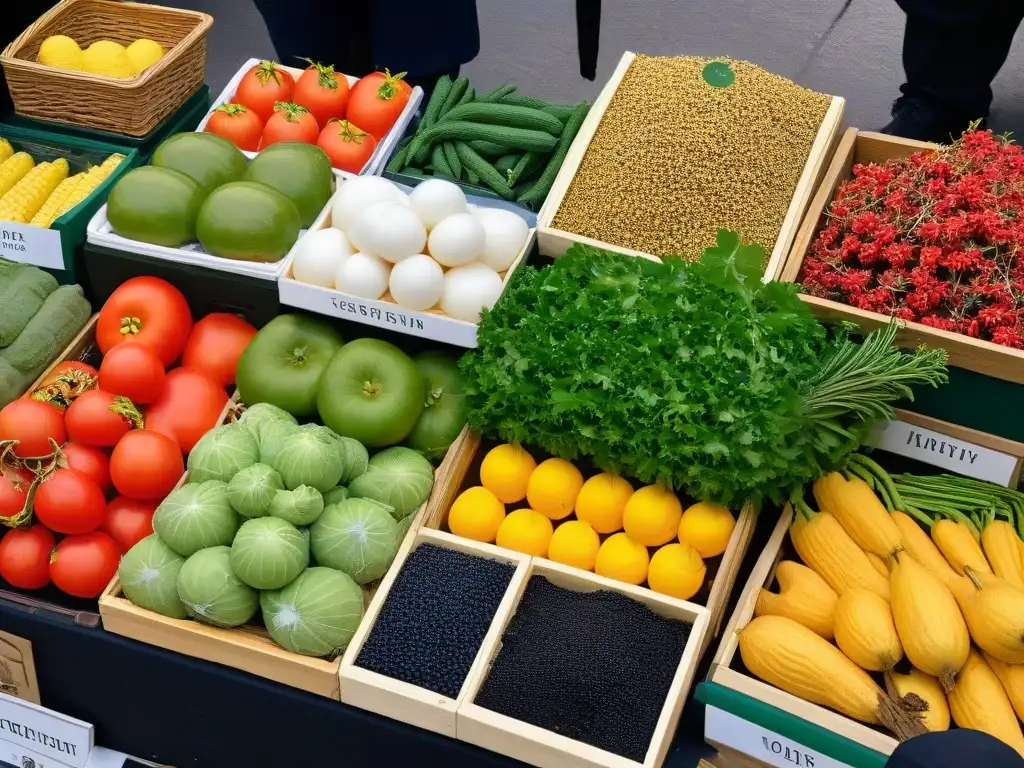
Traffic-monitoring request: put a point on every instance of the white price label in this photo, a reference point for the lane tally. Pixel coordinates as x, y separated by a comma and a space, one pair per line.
31, 245
58, 739
949, 453
761, 744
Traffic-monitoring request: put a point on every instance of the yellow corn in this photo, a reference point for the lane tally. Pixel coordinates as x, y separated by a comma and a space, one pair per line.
25, 199
93, 178
6, 150
48, 213
13, 170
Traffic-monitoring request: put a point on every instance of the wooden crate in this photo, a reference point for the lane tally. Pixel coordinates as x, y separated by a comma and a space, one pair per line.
540, 747
452, 480
555, 242
858, 147
403, 701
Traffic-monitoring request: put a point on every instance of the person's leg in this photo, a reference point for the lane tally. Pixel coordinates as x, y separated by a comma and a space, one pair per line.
327, 31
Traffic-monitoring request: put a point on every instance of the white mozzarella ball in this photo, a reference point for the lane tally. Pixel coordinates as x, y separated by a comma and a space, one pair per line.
469, 289
417, 282
457, 240
318, 256
363, 275
435, 200
357, 194
389, 230
505, 235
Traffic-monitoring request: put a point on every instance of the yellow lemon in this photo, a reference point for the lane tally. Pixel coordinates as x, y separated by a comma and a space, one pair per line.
622, 559
60, 51
575, 543
651, 516
553, 488
525, 531
506, 470
602, 500
676, 570
107, 58
476, 514
707, 528
143, 54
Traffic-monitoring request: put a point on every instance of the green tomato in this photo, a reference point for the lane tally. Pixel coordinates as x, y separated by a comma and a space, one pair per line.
284, 362
446, 409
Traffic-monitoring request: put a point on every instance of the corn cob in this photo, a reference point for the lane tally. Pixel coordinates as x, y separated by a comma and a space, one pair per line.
13, 169
6, 150
92, 179
48, 213
27, 196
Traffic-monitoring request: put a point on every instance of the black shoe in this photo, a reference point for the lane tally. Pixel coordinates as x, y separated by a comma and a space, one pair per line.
915, 117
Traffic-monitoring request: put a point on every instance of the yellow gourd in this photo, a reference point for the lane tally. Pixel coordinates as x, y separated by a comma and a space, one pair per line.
959, 546
862, 515
929, 623
979, 702
994, 612
930, 701
865, 631
878, 564
825, 490
1002, 550
1012, 678
922, 548
823, 545
803, 596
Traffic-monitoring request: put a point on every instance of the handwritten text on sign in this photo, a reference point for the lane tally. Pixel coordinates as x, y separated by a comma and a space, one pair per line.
761, 744
31, 245
949, 453
64, 740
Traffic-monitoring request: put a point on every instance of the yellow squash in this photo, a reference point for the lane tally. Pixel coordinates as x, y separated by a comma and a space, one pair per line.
822, 544
1002, 550
803, 596
865, 631
790, 656
862, 516
978, 701
957, 543
1012, 678
825, 490
930, 702
878, 564
994, 612
922, 548
929, 623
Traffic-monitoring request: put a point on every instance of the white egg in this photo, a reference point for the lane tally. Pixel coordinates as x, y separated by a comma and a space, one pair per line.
318, 256
457, 240
417, 282
468, 289
358, 194
435, 200
389, 230
363, 275
505, 235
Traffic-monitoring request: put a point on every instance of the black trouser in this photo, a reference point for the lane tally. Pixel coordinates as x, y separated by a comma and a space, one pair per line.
953, 49
335, 33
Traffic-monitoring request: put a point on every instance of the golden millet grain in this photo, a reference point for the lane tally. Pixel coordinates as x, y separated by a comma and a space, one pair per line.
675, 159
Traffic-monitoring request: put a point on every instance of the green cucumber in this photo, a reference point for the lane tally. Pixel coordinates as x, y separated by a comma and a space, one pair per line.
488, 173
452, 157
518, 138
524, 101
507, 115
506, 163
488, 148
498, 93
437, 98
541, 188
440, 162
458, 88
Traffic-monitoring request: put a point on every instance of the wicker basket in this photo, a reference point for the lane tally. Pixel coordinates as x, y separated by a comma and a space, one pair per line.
132, 107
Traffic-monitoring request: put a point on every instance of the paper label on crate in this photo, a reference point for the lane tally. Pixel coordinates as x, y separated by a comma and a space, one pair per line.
949, 453
761, 744
46, 737
31, 245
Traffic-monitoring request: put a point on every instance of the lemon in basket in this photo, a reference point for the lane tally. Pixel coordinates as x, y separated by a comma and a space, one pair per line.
107, 58
60, 51
143, 54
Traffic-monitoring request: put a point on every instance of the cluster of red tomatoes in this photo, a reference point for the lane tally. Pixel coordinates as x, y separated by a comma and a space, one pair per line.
319, 108
89, 454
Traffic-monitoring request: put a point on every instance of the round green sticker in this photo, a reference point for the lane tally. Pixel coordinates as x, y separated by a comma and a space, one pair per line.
718, 74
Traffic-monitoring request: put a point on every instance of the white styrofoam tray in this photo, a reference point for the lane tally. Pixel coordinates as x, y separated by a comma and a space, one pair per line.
384, 313
385, 147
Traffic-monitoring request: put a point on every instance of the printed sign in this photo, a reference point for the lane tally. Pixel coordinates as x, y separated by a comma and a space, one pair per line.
948, 453
761, 744
57, 739
31, 245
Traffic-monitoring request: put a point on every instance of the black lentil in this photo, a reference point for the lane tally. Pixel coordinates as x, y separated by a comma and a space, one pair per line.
591, 666
435, 618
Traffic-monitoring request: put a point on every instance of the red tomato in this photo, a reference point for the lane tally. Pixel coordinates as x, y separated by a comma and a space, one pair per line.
214, 346
238, 124
290, 122
25, 557
262, 87
14, 485
74, 378
84, 564
129, 521
146, 465
376, 102
189, 408
348, 147
90, 461
148, 310
35, 425
68, 501
323, 92
100, 418
134, 371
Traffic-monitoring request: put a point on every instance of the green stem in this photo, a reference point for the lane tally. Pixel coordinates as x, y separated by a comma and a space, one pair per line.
802, 507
